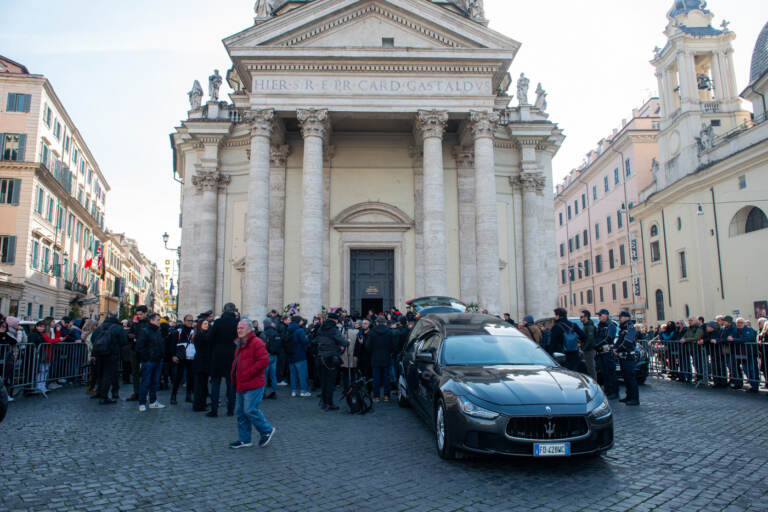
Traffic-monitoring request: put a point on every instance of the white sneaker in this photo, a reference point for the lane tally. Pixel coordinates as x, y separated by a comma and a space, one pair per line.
293, 394
282, 383
306, 394
10, 399
142, 408
156, 405
53, 386
62, 381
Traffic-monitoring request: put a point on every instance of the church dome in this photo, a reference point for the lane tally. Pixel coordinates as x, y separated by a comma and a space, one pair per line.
760, 56
686, 6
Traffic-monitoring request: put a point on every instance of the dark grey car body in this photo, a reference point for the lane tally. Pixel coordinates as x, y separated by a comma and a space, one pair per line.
534, 403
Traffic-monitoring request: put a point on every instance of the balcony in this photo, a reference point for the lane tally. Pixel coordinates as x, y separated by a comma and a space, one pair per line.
76, 287
711, 107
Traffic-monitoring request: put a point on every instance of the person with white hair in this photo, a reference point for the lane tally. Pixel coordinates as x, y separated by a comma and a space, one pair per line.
250, 362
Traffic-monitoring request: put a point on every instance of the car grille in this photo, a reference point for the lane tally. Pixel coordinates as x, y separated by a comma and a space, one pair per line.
544, 428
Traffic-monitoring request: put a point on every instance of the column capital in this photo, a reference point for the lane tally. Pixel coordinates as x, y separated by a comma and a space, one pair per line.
206, 179
314, 122
262, 122
278, 155
431, 123
465, 157
483, 124
532, 182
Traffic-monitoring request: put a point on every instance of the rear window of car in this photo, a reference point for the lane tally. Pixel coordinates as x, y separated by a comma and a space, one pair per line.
488, 350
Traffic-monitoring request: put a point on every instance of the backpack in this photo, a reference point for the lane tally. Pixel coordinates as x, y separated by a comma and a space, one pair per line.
274, 342
570, 341
358, 399
289, 344
101, 342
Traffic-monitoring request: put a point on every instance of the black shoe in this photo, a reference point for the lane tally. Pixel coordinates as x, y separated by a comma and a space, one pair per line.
107, 401
625, 400
230, 413
632, 402
93, 397
132, 398
331, 408
197, 409
188, 399
272, 396
173, 400
212, 414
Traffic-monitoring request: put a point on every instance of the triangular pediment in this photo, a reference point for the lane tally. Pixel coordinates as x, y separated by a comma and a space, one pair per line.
365, 24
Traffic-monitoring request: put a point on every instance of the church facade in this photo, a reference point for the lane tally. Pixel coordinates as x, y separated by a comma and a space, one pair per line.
370, 154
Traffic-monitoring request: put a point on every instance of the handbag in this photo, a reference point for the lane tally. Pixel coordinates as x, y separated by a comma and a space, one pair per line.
191, 351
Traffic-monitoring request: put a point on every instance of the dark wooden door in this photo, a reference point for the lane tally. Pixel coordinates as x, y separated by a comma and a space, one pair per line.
372, 277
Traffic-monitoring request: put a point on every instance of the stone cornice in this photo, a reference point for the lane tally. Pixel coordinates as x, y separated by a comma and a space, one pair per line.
431, 123
238, 142
314, 122
375, 68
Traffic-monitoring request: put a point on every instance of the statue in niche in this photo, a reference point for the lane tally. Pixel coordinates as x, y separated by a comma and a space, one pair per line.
195, 96
214, 83
706, 138
522, 89
541, 98
263, 9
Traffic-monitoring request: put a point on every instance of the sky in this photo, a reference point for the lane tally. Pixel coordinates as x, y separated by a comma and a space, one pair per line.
123, 68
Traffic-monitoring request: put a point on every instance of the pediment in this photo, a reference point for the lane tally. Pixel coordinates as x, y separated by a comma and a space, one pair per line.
364, 23
372, 216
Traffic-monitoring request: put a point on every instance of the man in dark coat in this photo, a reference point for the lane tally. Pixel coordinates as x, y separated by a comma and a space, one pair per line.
223, 336
330, 345
562, 339
624, 349
150, 349
380, 346
108, 360
133, 335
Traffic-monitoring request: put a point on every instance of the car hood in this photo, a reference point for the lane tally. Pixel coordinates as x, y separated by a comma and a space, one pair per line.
523, 385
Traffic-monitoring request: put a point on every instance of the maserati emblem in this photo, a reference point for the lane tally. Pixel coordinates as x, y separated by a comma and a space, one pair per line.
549, 429
548, 410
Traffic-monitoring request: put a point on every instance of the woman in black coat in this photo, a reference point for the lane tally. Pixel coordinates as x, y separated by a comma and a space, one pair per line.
201, 364
222, 339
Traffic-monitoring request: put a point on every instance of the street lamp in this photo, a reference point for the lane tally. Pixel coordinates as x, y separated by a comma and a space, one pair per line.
177, 250
166, 237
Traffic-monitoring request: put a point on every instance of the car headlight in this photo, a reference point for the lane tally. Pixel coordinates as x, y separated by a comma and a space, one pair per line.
474, 410
601, 412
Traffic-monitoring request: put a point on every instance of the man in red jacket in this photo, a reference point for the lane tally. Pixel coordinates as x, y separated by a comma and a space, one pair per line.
251, 360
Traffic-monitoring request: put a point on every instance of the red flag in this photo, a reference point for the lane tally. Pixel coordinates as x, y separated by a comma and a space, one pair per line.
88, 263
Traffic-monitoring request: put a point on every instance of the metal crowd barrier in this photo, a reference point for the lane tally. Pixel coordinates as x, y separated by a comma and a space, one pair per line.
716, 364
29, 367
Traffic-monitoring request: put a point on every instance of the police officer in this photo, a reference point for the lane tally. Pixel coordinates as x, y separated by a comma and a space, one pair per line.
624, 348
606, 363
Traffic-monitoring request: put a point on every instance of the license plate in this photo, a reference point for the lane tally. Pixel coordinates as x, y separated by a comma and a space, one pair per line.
551, 449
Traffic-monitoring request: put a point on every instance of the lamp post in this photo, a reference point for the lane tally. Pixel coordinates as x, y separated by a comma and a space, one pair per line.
177, 250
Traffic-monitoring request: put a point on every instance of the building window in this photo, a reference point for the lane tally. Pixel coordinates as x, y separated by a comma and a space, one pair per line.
611, 261
561, 218
66, 143
589, 297
624, 289
9, 191
387, 42
57, 129
569, 212
583, 201
655, 252
613, 291
44, 152
597, 231
602, 295
35, 253
46, 258
12, 146
576, 207
742, 182
683, 266
581, 271
70, 221
40, 312
47, 116
578, 242
581, 298
627, 167
687, 311
90, 175
606, 184
49, 212
585, 238
586, 268
562, 249
18, 102
616, 178
8, 249
39, 203
598, 264
619, 219
609, 225
654, 230
594, 192
660, 306
622, 255
571, 274
562, 275
756, 220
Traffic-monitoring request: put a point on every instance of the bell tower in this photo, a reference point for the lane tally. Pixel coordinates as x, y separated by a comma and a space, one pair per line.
697, 87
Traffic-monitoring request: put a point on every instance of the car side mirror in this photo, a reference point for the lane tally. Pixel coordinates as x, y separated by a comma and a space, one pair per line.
560, 358
426, 357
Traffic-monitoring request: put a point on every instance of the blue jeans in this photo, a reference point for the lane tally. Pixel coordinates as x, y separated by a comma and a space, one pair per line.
606, 365
249, 416
150, 379
216, 393
272, 372
299, 376
630, 381
380, 379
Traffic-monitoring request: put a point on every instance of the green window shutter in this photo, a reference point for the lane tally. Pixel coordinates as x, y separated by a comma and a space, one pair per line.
16, 192
11, 104
27, 102
2, 145
11, 259
22, 146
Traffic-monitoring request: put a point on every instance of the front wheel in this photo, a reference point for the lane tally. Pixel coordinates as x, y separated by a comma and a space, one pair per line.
442, 437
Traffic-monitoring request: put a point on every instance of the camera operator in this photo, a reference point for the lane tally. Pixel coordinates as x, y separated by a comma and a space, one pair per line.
331, 345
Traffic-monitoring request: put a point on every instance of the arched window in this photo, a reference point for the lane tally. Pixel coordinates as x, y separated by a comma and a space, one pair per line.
660, 306
756, 220
654, 230
747, 220
687, 311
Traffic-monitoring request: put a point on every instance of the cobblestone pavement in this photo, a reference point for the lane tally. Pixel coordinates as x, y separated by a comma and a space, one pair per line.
684, 449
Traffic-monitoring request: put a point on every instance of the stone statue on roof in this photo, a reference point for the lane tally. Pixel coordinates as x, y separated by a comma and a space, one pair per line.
522, 89
263, 9
195, 96
476, 9
541, 98
214, 83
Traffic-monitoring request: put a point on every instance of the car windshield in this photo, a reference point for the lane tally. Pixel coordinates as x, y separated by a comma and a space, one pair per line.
488, 350
427, 302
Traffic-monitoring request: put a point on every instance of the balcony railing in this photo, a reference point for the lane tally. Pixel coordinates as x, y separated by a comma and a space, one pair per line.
711, 106
76, 287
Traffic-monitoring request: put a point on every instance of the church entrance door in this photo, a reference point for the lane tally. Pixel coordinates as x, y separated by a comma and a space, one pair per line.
372, 280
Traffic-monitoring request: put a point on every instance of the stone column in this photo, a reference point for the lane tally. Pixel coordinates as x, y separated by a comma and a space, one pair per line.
257, 221
418, 217
275, 279
314, 128
664, 100
187, 292
531, 181
519, 282
465, 163
430, 126
483, 126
